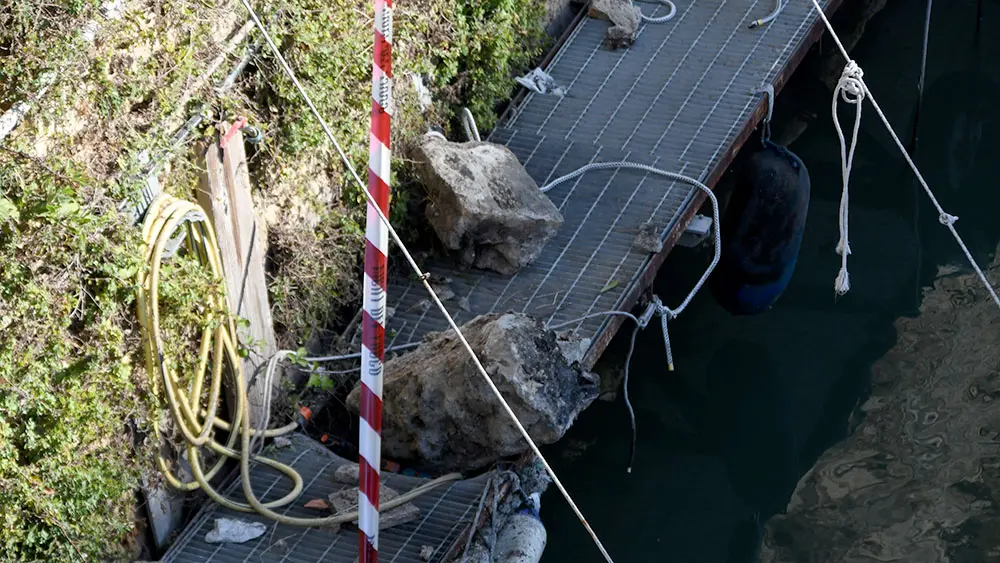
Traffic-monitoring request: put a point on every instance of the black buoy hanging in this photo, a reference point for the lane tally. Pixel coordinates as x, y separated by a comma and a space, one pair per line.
762, 227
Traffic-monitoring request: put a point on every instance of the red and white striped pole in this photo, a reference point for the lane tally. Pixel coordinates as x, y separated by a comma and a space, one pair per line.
373, 324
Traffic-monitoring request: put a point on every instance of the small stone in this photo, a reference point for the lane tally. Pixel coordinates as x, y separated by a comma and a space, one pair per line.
648, 238
426, 552
463, 304
346, 474
281, 442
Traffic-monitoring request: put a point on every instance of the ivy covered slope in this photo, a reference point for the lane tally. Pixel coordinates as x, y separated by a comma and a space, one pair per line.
75, 409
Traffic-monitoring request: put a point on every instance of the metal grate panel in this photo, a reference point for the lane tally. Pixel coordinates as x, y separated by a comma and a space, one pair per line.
676, 99
445, 513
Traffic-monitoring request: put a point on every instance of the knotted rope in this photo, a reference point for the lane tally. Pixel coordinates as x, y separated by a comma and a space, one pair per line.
852, 91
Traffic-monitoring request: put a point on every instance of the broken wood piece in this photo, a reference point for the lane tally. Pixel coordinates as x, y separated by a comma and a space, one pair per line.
224, 193
347, 500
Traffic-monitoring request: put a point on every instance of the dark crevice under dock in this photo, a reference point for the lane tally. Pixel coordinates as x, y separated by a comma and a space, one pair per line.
681, 99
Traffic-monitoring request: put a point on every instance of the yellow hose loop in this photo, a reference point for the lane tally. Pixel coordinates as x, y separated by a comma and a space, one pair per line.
194, 416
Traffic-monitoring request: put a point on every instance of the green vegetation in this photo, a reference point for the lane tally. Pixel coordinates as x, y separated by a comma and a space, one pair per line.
72, 386
68, 387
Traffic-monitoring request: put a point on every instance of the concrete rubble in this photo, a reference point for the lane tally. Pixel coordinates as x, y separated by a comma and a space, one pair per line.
484, 205
624, 18
438, 413
347, 499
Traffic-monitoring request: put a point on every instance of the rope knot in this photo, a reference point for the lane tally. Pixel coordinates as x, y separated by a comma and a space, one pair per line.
946, 219
851, 85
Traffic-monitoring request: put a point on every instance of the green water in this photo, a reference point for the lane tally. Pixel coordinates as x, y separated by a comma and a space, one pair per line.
763, 397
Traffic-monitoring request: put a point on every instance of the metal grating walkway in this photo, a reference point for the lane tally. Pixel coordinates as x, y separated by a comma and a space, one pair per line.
678, 99
445, 514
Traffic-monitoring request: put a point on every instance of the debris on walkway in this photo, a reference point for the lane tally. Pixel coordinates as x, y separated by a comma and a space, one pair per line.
540, 82
229, 530
438, 412
346, 500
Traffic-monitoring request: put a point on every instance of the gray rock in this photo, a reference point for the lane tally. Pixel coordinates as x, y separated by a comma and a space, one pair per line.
484, 205
347, 499
624, 18
438, 412
648, 238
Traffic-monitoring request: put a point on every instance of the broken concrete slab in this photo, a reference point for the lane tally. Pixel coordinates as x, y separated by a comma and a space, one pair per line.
484, 205
624, 18
440, 414
347, 500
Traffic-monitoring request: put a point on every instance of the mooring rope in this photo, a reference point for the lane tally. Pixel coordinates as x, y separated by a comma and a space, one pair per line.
851, 90
666, 313
944, 218
662, 19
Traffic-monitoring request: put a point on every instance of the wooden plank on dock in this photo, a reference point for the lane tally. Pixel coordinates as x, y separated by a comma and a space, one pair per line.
224, 193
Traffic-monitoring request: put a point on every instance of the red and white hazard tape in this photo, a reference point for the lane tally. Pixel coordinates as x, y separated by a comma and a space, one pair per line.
373, 324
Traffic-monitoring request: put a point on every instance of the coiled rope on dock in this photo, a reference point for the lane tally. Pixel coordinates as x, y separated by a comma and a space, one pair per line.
856, 81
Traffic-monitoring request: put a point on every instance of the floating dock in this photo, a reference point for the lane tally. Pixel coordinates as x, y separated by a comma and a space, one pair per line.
681, 99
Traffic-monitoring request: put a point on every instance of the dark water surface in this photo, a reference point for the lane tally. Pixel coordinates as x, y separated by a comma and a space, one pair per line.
756, 400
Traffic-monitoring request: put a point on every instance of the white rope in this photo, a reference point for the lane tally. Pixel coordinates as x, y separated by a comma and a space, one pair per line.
666, 313
663, 19
852, 91
424, 278
945, 218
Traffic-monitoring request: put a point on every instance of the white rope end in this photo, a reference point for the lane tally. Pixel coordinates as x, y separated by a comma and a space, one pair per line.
844, 247
843, 283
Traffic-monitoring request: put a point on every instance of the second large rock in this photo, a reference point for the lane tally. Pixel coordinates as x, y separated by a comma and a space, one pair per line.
440, 413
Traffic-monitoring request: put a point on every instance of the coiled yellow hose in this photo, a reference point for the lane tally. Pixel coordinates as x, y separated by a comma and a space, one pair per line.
196, 419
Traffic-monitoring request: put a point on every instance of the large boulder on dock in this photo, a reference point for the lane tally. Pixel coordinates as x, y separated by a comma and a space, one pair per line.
440, 414
484, 204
